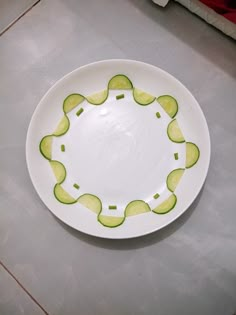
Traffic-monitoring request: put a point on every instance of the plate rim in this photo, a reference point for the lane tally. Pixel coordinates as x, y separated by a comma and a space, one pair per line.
207, 162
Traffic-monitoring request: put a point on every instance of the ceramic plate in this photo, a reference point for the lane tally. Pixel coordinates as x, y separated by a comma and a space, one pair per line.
118, 149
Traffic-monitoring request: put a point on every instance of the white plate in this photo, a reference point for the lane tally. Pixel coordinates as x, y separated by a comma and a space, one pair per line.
119, 150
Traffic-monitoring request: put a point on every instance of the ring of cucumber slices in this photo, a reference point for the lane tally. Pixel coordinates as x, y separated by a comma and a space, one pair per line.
166, 206
62, 127
192, 154
136, 207
174, 178
142, 98
71, 101
174, 132
91, 202
169, 104
98, 98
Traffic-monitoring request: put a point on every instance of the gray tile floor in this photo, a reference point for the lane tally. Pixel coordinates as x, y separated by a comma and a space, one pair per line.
187, 268
13, 300
10, 10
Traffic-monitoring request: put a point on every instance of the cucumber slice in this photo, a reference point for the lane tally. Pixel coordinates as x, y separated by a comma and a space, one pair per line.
136, 207
142, 98
174, 132
192, 154
45, 147
63, 196
169, 104
98, 98
173, 178
120, 82
166, 205
91, 202
58, 170
110, 221
71, 102
62, 127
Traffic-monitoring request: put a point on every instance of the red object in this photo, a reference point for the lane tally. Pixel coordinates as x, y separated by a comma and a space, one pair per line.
227, 8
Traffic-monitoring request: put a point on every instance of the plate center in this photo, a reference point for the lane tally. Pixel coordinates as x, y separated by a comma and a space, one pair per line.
118, 151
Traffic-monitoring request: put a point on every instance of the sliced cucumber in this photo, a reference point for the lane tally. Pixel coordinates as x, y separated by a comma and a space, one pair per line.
98, 98
174, 132
63, 196
192, 154
169, 104
45, 147
120, 82
173, 178
91, 202
58, 170
71, 102
136, 207
110, 221
142, 98
166, 205
62, 127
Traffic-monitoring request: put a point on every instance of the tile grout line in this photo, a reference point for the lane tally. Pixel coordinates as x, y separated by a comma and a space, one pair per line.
18, 18
23, 288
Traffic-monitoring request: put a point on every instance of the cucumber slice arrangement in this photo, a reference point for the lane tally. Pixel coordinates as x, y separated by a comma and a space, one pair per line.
59, 171
169, 104
71, 102
174, 178
63, 196
142, 98
62, 127
174, 132
110, 221
120, 82
91, 202
98, 98
192, 154
45, 147
166, 205
136, 207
